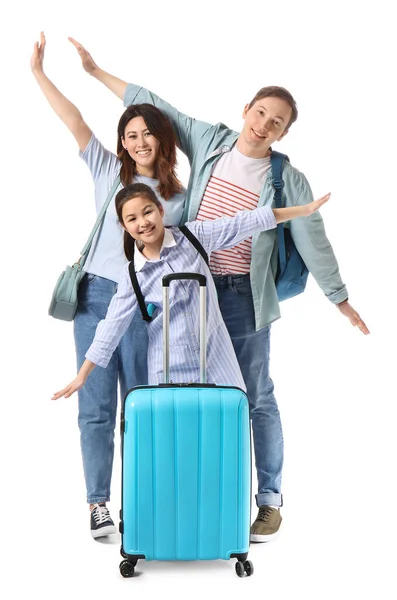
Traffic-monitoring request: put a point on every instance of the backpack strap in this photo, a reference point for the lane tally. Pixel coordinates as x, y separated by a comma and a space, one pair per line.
276, 161
137, 289
195, 242
134, 280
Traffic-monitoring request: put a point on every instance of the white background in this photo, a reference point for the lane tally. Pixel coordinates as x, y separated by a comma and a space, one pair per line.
334, 386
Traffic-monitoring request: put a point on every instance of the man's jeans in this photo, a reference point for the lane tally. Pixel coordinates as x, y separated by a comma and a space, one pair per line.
252, 349
98, 397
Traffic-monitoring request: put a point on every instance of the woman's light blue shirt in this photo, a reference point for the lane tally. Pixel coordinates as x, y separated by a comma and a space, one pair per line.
106, 257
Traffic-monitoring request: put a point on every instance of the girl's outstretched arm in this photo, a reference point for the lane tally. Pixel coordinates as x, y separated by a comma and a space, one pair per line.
77, 383
108, 334
226, 232
66, 111
286, 214
115, 85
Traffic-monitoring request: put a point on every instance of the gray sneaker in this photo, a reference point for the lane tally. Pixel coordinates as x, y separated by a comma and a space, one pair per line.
266, 525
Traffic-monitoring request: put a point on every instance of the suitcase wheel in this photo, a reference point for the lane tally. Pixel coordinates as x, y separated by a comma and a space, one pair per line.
244, 568
126, 568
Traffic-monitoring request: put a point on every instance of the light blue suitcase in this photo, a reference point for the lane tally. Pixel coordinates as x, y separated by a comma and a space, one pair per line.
186, 467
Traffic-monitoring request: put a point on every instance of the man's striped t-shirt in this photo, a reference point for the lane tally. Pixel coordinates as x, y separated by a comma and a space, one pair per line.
234, 185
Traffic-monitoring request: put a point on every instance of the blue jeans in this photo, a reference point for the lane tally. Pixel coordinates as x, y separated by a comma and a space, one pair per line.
252, 349
98, 398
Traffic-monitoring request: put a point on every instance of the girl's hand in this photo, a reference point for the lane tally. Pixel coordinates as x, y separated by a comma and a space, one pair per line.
314, 206
87, 61
36, 62
71, 388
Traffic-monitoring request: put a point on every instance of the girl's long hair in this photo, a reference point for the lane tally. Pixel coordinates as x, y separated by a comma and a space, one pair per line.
159, 126
122, 197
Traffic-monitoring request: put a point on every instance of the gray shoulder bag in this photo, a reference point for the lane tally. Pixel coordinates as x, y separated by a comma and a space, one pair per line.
64, 298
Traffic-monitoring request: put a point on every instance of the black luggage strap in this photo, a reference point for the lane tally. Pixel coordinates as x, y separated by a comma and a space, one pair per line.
134, 280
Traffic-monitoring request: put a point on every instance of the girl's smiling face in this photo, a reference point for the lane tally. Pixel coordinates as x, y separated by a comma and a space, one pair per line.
143, 220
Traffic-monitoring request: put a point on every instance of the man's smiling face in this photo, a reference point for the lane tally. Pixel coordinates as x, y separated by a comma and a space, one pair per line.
264, 123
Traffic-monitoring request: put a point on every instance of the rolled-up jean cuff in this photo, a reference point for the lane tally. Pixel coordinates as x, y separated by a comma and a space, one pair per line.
97, 500
269, 499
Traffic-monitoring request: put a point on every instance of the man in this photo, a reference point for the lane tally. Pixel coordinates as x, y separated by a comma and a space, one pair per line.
231, 171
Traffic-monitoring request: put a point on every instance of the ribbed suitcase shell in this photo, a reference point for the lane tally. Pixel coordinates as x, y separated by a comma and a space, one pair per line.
186, 488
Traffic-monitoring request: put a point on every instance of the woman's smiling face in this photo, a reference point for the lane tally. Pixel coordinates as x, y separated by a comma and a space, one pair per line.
141, 145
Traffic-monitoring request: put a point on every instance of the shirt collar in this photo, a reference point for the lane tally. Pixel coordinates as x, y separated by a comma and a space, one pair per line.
228, 148
140, 260
225, 147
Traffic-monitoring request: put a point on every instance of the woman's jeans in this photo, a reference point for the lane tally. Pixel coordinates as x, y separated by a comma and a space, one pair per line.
252, 349
98, 397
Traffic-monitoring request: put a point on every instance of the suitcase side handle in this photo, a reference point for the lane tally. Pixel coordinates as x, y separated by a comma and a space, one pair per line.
203, 322
176, 276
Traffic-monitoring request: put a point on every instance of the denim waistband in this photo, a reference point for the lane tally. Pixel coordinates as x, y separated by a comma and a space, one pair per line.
229, 281
99, 283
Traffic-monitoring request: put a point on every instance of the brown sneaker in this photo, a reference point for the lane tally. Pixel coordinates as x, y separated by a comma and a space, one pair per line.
266, 525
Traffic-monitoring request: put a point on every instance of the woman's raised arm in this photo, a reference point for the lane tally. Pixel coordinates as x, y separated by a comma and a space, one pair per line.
66, 111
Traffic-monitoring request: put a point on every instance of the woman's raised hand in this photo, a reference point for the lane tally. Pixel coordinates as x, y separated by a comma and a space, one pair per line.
36, 62
87, 61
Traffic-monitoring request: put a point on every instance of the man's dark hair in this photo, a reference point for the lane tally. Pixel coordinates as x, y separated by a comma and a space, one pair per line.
277, 92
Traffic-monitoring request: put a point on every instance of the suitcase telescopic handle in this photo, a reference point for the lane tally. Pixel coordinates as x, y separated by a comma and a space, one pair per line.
202, 280
177, 276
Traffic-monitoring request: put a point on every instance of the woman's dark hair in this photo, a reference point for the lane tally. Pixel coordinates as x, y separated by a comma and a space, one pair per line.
159, 126
133, 190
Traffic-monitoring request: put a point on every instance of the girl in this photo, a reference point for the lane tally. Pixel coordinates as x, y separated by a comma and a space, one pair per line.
146, 153
159, 251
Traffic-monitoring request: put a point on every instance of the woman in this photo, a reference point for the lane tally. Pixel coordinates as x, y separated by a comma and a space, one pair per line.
146, 153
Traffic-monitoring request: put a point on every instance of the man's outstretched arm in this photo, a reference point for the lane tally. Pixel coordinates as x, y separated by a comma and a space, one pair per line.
189, 131
115, 85
313, 245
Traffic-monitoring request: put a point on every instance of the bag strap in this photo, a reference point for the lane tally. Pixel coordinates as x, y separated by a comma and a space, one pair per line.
134, 280
137, 288
99, 220
195, 242
276, 161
